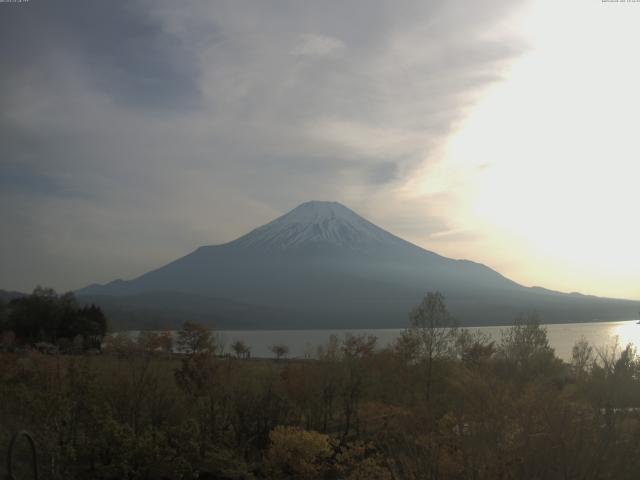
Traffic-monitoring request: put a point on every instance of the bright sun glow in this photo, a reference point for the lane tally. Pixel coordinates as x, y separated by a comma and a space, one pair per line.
552, 154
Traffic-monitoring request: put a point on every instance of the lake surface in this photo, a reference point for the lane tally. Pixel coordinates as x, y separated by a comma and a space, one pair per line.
303, 343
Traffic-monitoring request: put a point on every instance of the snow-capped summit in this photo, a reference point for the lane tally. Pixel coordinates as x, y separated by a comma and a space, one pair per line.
316, 223
321, 265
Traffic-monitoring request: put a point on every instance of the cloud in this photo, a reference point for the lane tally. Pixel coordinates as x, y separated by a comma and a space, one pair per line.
120, 49
313, 45
134, 132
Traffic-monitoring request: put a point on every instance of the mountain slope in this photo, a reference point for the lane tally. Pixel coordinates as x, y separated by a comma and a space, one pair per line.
7, 296
322, 265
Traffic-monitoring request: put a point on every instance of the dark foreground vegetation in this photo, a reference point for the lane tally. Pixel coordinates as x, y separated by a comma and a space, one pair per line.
50, 322
441, 403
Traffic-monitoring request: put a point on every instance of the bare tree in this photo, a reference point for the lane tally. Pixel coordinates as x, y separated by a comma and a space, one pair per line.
525, 349
279, 350
432, 331
582, 357
195, 338
241, 349
356, 349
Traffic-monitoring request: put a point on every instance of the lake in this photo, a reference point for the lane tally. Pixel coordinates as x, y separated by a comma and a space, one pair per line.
303, 343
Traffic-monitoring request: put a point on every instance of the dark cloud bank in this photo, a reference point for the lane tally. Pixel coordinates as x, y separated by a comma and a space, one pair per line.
132, 132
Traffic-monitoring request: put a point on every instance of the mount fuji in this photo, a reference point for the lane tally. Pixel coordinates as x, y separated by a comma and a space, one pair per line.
323, 266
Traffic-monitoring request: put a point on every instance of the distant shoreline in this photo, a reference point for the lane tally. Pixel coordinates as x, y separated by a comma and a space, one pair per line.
303, 343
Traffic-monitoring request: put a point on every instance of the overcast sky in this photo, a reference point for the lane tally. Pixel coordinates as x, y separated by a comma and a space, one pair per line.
133, 132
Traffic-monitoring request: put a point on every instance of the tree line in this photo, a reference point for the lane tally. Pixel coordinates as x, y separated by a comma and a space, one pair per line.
51, 322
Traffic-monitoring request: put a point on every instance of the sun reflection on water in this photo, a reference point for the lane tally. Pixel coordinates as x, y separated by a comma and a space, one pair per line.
562, 337
626, 332
600, 335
